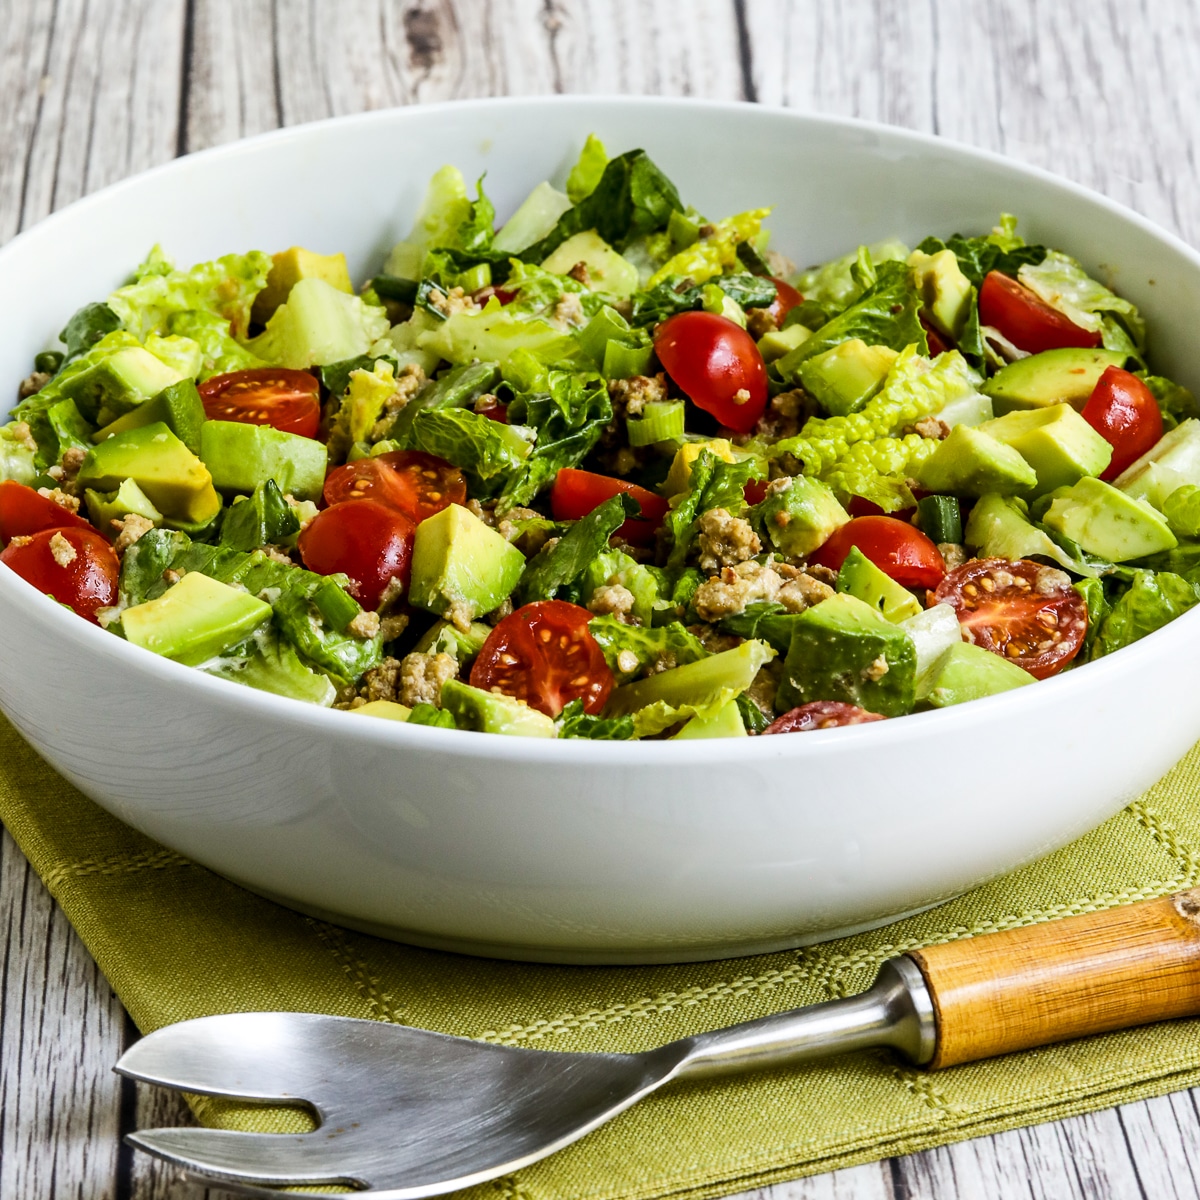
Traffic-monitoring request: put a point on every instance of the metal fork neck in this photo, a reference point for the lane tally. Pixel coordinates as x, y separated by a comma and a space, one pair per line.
895, 1011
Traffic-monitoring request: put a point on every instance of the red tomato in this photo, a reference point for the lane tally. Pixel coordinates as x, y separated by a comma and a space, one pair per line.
77, 567
937, 343
545, 654
822, 714
286, 400
755, 491
576, 493
1023, 611
23, 511
416, 483
786, 298
364, 539
898, 549
491, 408
716, 364
1025, 319
1124, 412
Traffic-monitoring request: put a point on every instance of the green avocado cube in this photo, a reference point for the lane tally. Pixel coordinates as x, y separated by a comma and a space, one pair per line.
966, 672
241, 457
175, 481
798, 514
121, 381
775, 343
725, 722
389, 710
177, 406
607, 270
842, 649
128, 500
1064, 376
843, 379
947, 294
861, 578
970, 463
461, 566
493, 712
1108, 523
1055, 441
194, 620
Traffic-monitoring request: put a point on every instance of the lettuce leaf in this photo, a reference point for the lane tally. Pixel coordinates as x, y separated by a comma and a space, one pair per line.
711, 484
1175, 402
713, 255
1002, 250
225, 287
494, 333
648, 646
86, 328
573, 722
632, 197
588, 170
832, 285
673, 294
16, 457
1153, 600
1063, 284
490, 454
219, 352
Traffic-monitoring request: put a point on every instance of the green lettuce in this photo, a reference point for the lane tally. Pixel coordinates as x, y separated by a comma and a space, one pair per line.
270, 663
632, 198
86, 328
832, 285
493, 333
489, 453
219, 351
886, 314
573, 722
445, 211
556, 568
1175, 402
713, 255
16, 457
225, 287
1153, 600
615, 566
674, 294
263, 519
671, 643
1002, 250
588, 170
711, 484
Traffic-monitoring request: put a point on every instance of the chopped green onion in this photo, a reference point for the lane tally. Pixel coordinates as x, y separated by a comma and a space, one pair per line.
660, 420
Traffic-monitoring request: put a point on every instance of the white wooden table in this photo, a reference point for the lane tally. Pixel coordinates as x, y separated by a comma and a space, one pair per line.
1104, 92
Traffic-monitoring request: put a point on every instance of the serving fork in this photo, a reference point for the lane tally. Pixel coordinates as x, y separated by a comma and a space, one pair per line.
405, 1112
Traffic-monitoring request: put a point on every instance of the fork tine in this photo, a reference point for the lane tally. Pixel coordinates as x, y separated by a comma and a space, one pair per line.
256, 1056
266, 1158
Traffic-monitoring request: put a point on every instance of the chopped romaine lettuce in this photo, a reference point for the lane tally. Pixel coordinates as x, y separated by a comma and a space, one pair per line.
630, 649
1153, 600
490, 454
1063, 284
715, 254
573, 722
833, 286
86, 328
711, 484
493, 333
588, 169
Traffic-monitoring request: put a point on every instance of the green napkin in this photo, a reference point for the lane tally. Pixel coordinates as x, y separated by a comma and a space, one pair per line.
177, 941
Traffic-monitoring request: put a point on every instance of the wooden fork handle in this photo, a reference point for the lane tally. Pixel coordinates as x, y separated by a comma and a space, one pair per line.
1064, 979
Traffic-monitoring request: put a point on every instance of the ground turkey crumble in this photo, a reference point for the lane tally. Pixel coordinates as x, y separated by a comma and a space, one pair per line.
725, 540
613, 599
408, 383
452, 302
62, 551
422, 676
728, 593
129, 529
630, 396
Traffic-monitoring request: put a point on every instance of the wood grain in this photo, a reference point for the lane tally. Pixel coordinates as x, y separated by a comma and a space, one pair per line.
1064, 979
1102, 91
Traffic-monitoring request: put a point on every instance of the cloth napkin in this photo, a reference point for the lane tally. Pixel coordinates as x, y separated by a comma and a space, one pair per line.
177, 941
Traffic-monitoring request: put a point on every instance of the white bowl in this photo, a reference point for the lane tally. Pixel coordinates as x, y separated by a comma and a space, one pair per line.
576, 851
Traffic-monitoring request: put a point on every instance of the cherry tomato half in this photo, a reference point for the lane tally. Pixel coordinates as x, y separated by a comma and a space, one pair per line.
786, 298
898, 549
822, 714
755, 491
364, 539
415, 483
1027, 320
1124, 412
77, 567
286, 400
937, 343
23, 511
1023, 611
545, 654
576, 493
716, 364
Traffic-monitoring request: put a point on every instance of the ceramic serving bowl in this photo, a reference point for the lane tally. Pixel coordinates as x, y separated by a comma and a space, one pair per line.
576, 851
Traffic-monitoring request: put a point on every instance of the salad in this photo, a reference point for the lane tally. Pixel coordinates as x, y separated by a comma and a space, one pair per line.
614, 470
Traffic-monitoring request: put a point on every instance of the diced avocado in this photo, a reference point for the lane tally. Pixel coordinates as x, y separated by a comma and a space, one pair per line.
241, 457
843, 649
537, 215
106, 507
1108, 523
1055, 441
176, 482
861, 578
288, 267
798, 514
319, 324
607, 270
1170, 463
443, 638
970, 463
680, 474
194, 620
1066, 376
725, 722
177, 406
775, 343
972, 409
695, 689
121, 381
933, 631
843, 379
461, 566
999, 527
272, 665
16, 455
966, 672
389, 710
946, 293
493, 712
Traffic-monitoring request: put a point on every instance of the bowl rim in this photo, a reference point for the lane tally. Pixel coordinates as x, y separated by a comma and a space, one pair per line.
1054, 692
